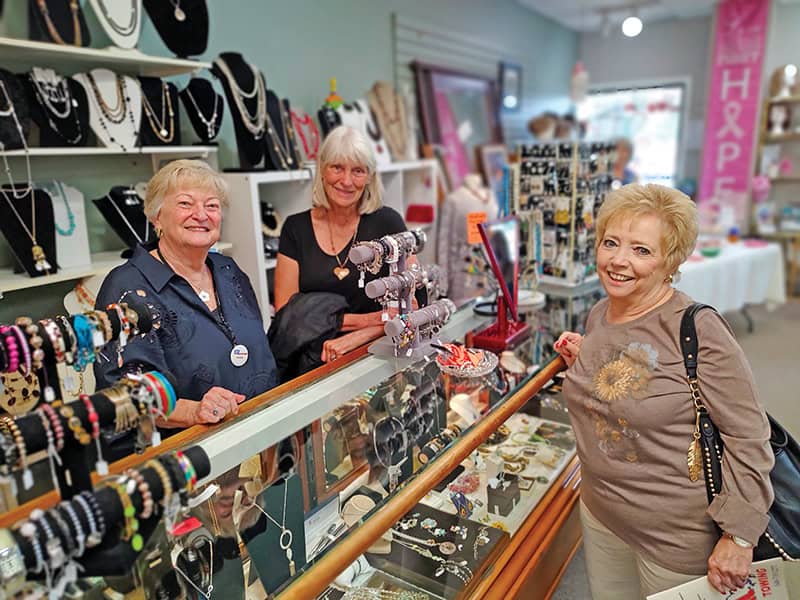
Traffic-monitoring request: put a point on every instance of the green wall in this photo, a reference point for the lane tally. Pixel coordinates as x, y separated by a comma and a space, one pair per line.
299, 45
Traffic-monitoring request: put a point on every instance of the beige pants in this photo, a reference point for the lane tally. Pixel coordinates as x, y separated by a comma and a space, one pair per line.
616, 571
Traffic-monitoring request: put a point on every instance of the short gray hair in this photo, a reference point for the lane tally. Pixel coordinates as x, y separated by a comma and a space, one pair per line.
195, 173
346, 144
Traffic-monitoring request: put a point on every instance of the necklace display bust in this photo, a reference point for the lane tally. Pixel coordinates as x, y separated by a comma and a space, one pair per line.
205, 108
14, 112
121, 20
27, 222
281, 149
123, 209
160, 123
58, 22
182, 24
115, 107
59, 107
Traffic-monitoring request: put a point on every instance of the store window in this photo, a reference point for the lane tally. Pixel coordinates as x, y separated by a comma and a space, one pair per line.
650, 117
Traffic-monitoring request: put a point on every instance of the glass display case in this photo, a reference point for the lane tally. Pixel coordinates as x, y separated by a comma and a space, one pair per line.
377, 479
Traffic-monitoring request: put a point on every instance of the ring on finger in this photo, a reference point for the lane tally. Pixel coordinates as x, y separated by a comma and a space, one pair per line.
215, 412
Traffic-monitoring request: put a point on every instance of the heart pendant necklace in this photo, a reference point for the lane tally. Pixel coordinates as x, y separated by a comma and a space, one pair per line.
340, 270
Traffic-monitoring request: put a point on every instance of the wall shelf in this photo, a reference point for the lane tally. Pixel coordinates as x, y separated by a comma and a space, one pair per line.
103, 151
102, 263
786, 179
785, 137
785, 100
71, 59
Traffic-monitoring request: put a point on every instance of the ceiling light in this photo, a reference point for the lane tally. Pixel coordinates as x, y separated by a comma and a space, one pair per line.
632, 26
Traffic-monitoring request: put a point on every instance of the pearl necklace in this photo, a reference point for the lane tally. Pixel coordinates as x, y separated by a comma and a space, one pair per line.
255, 123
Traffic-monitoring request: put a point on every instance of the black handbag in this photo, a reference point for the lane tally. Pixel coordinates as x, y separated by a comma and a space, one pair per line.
782, 537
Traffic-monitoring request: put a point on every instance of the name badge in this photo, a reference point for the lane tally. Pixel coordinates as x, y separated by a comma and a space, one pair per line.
239, 355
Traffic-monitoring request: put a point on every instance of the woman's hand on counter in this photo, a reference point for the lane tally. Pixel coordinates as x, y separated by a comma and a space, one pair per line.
216, 404
335, 348
568, 345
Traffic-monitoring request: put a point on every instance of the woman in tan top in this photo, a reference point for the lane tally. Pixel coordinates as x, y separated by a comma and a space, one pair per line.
647, 527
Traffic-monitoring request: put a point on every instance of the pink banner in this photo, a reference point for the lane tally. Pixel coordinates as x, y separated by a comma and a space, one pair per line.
733, 103
454, 154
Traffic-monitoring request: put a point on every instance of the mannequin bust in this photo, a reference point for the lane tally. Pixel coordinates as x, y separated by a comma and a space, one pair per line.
123, 209
238, 79
205, 108
160, 126
16, 218
121, 20
183, 26
59, 107
62, 23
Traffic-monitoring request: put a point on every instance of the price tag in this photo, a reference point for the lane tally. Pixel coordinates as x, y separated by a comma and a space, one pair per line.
473, 218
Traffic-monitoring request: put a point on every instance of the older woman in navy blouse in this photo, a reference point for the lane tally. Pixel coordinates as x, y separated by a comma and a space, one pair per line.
211, 337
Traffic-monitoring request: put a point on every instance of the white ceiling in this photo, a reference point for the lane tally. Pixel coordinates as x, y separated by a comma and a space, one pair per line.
588, 15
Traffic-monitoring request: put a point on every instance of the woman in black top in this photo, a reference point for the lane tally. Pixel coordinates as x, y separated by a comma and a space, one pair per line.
314, 244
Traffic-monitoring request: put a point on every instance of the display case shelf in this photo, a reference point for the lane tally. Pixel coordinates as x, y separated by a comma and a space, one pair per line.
102, 151
73, 59
102, 263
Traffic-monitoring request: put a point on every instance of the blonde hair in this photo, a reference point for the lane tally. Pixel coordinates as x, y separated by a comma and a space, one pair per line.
183, 172
675, 210
345, 144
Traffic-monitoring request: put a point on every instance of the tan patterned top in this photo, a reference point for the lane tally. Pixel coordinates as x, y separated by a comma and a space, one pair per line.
633, 417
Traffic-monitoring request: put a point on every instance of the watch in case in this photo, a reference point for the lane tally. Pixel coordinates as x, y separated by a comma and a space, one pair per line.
12, 565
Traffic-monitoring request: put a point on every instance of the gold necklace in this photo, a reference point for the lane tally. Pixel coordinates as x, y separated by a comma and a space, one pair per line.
51, 27
341, 271
39, 257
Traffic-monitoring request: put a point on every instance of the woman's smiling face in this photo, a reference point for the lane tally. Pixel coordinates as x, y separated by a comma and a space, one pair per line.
630, 258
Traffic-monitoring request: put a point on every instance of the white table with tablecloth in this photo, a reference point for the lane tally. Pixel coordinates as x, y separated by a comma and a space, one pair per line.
744, 273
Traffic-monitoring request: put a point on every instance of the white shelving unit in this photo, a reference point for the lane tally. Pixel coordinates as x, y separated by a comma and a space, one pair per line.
411, 182
103, 151
71, 59
102, 263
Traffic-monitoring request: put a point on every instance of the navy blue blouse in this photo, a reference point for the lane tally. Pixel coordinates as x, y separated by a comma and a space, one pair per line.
190, 342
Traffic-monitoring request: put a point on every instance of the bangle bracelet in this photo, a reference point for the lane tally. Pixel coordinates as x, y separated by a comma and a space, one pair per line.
172, 399
166, 482
160, 390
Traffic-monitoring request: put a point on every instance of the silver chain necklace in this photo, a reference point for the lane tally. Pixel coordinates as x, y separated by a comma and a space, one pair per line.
286, 544
211, 124
123, 30
255, 123
128, 223
10, 111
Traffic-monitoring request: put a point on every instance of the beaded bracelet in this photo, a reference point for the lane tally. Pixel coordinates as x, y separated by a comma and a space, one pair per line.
52, 454
23, 346
188, 470
144, 491
105, 325
166, 481
124, 324
101, 466
34, 342
22, 451
28, 530
75, 425
56, 338
55, 552
130, 531
57, 427
94, 517
71, 545
80, 536
3, 357
12, 349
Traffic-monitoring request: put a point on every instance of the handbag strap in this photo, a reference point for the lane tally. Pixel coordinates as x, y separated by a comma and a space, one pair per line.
689, 345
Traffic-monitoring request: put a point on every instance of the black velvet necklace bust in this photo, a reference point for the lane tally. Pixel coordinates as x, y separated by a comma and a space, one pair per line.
61, 18
159, 128
281, 149
183, 28
123, 209
61, 123
18, 238
9, 133
251, 147
329, 119
205, 108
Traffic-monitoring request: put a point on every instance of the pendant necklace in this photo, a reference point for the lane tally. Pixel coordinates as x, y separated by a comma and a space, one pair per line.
9, 111
51, 27
51, 90
128, 223
159, 126
285, 540
201, 293
210, 123
39, 258
179, 15
341, 271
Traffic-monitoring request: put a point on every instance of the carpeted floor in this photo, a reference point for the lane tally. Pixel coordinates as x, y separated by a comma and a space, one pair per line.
772, 350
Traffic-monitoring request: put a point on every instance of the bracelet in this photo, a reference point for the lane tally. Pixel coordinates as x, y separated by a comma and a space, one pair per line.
28, 530
22, 451
70, 340
55, 422
23, 345
69, 542
130, 532
80, 536
126, 416
12, 573
55, 552
133, 318
168, 390
124, 324
394, 249
144, 491
160, 390
84, 343
91, 509
34, 342
188, 470
101, 466
166, 482
56, 338
12, 349
75, 425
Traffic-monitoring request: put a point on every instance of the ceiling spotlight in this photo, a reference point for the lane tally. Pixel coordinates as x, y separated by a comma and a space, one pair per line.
632, 26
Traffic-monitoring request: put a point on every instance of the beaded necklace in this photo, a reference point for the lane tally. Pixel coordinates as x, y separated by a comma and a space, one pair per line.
255, 123
51, 90
113, 115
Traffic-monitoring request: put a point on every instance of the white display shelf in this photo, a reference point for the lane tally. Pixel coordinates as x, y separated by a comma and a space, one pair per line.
102, 151
72, 59
102, 263
259, 177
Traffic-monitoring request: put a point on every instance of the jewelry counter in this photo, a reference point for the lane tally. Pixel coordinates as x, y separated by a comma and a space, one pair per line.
382, 479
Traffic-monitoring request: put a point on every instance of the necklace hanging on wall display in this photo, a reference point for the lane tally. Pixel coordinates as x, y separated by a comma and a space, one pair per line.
159, 104
57, 21
280, 137
15, 118
205, 108
357, 115
69, 214
390, 112
307, 134
182, 24
59, 107
8, 112
115, 107
254, 121
121, 20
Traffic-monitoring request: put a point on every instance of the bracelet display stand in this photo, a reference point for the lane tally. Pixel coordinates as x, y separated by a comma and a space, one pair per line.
205, 108
160, 126
246, 94
123, 209
418, 329
16, 224
183, 26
